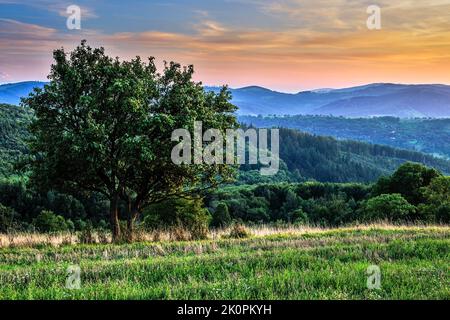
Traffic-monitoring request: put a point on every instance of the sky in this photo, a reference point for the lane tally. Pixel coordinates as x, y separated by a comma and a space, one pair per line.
284, 45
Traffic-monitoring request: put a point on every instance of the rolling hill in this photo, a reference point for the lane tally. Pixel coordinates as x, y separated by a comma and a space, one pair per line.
425, 135
372, 100
381, 99
12, 92
304, 156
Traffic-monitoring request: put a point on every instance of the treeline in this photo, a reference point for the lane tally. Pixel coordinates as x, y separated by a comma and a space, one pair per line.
305, 157
424, 135
414, 193
24, 209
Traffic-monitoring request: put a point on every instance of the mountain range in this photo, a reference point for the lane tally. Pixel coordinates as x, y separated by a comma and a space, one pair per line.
372, 100
380, 99
12, 92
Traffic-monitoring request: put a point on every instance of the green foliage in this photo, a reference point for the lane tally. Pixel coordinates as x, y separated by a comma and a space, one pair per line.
408, 180
28, 203
328, 160
425, 135
86, 235
221, 216
437, 205
311, 202
298, 216
178, 212
47, 221
8, 219
13, 135
392, 207
113, 121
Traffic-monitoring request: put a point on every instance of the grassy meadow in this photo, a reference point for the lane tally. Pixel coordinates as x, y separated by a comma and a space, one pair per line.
292, 263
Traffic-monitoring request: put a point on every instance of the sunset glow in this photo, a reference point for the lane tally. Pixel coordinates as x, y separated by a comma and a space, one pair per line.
289, 45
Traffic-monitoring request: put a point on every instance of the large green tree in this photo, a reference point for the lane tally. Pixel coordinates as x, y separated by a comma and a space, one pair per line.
104, 125
408, 180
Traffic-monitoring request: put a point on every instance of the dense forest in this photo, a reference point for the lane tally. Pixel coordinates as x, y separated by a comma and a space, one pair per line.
316, 184
303, 156
13, 134
424, 135
412, 193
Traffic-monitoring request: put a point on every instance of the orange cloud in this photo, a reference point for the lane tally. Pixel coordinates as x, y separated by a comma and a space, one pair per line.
322, 43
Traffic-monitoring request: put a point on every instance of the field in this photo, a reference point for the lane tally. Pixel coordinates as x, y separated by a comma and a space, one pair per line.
303, 263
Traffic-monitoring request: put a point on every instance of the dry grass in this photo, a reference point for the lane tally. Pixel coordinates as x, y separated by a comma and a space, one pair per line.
274, 263
60, 239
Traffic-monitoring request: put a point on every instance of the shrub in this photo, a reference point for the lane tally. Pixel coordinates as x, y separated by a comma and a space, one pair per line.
7, 218
86, 235
408, 181
70, 225
221, 216
392, 207
238, 231
79, 224
102, 224
298, 217
182, 213
47, 221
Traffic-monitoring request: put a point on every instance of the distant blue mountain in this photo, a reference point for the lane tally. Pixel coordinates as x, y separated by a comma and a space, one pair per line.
378, 99
12, 92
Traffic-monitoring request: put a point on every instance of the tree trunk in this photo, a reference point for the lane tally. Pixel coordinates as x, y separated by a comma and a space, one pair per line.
114, 218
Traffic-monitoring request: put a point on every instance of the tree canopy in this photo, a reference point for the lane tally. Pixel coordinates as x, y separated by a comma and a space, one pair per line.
104, 125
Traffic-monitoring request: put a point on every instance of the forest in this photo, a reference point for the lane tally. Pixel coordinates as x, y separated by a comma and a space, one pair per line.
322, 181
426, 135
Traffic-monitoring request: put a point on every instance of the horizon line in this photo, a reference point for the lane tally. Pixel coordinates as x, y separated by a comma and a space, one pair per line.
284, 92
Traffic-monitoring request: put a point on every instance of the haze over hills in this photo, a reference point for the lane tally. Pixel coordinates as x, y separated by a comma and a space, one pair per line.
371, 100
380, 99
12, 92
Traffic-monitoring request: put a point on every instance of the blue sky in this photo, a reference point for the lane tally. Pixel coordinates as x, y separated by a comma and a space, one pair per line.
287, 45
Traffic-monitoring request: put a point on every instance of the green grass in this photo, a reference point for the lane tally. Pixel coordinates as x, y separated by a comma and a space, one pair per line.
414, 264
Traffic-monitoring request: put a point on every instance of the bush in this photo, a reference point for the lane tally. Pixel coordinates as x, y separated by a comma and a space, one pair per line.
47, 221
70, 225
80, 224
408, 181
221, 216
298, 217
7, 218
392, 207
183, 213
238, 231
86, 235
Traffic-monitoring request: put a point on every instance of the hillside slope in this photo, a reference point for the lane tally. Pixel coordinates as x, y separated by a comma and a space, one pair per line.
363, 101
425, 135
304, 156
379, 99
12, 92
